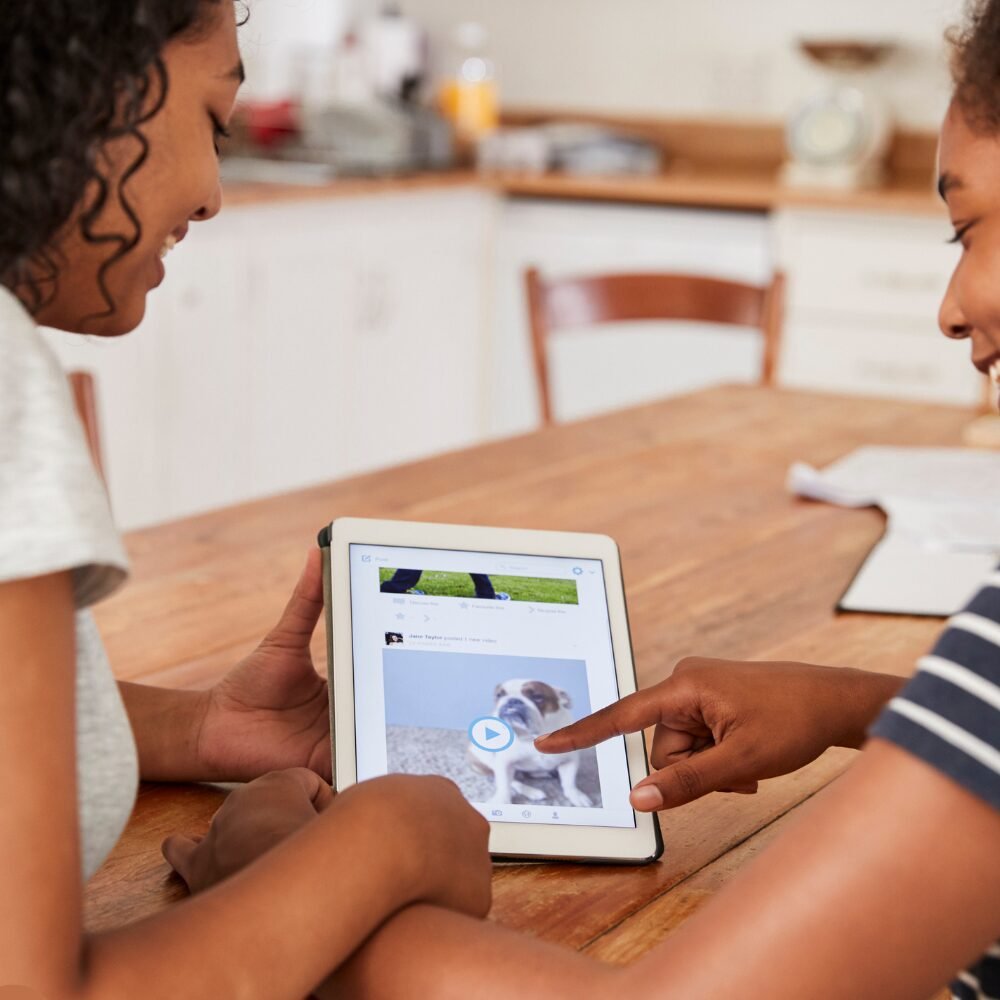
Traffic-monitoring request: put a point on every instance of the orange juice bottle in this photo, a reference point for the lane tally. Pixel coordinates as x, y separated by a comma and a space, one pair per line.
469, 97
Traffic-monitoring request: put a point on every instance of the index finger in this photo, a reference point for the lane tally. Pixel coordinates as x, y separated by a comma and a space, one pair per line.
630, 715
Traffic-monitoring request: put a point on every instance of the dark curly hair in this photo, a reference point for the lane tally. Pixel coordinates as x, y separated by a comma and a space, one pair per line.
975, 64
74, 75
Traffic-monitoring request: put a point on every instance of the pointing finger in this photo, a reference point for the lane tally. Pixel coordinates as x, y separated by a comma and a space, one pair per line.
630, 715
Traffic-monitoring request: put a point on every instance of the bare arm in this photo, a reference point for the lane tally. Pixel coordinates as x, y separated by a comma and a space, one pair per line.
272, 931
165, 723
269, 712
887, 884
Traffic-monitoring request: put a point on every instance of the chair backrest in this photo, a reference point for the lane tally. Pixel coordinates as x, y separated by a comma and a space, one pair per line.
611, 298
85, 396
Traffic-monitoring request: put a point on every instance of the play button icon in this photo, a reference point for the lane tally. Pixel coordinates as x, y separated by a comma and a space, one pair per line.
491, 734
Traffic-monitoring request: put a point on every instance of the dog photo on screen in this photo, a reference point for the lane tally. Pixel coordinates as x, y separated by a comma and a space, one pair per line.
473, 718
531, 708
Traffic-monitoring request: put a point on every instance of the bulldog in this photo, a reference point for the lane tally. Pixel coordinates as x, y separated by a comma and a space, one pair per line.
531, 709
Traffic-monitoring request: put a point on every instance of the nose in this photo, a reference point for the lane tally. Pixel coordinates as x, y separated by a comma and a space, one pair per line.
211, 207
514, 707
951, 319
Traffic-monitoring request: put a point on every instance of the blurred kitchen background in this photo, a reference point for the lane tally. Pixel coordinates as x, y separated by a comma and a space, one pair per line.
396, 168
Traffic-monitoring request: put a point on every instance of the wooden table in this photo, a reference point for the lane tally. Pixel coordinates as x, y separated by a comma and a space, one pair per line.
718, 559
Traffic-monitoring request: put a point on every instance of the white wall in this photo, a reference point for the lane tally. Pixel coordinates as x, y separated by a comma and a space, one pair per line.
659, 57
278, 33
697, 57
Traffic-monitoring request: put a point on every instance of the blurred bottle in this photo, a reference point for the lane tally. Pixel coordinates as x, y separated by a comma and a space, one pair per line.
397, 53
469, 96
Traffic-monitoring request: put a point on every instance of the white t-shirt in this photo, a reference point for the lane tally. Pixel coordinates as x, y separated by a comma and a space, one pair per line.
54, 515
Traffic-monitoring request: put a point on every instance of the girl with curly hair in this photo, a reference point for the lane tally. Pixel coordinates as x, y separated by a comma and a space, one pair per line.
110, 111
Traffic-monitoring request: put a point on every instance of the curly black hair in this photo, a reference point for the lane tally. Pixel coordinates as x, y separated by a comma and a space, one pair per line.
975, 64
75, 75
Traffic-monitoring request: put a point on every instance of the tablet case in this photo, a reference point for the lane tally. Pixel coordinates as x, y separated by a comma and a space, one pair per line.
323, 540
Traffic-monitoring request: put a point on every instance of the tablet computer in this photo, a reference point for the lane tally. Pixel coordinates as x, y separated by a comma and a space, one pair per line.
451, 648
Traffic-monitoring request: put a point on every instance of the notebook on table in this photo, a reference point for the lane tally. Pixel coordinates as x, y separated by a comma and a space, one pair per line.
942, 535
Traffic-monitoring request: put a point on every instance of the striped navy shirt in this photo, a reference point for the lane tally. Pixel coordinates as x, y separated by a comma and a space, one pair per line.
949, 716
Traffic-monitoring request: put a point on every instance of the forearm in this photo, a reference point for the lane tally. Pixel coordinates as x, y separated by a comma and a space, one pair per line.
425, 951
858, 898
166, 724
272, 931
857, 867
863, 696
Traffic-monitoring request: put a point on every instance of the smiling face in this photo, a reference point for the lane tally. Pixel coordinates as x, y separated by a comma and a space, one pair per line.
969, 181
178, 183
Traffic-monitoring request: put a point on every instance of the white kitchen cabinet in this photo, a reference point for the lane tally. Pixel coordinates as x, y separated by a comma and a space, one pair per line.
863, 297
172, 395
617, 365
296, 343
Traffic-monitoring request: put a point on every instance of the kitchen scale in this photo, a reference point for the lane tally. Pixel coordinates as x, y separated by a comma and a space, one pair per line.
839, 137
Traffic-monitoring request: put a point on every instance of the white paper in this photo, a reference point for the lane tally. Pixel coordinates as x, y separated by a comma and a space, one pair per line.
869, 475
943, 533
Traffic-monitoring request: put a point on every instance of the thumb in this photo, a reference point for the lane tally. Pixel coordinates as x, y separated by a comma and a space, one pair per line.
298, 620
711, 770
324, 798
179, 851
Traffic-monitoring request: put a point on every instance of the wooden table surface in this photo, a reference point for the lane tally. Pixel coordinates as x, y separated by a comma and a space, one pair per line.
719, 560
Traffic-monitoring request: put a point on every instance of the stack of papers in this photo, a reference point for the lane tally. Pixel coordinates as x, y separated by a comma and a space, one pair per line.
943, 533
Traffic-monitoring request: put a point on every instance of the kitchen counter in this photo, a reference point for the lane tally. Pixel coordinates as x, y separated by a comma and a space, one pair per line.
722, 188
245, 193
710, 164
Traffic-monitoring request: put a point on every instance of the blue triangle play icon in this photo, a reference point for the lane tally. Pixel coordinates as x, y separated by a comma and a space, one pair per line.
492, 734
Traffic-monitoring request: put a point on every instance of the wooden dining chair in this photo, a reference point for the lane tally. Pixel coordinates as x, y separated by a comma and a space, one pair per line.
85, 396
556, 304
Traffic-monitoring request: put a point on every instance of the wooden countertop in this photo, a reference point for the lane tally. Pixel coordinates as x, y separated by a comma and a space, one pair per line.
246, 193
723, 188
718, 560
758, 191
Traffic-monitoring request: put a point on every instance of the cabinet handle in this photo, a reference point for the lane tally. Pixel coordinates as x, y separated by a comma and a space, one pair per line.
889, 371
896, 281
374, 303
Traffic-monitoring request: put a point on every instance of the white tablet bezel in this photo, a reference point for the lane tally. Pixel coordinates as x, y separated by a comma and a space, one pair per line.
511, 840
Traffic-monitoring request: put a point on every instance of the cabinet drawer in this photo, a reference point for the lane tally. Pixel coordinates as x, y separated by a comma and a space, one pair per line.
866, 358
876, 265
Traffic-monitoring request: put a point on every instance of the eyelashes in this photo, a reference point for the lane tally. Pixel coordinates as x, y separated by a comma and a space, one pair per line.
219, 132
960, 233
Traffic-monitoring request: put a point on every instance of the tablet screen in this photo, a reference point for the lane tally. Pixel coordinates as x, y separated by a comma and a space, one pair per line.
461, 659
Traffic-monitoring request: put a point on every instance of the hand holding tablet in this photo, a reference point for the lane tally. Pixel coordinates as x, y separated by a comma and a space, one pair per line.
452, 649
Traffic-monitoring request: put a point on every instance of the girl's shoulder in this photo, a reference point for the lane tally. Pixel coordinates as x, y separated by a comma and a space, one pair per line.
28, 366
54, 509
